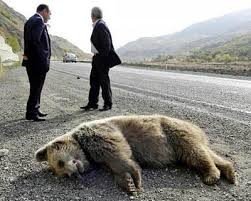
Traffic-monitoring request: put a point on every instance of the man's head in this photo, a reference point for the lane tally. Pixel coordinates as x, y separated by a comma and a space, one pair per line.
44, 11
96, 14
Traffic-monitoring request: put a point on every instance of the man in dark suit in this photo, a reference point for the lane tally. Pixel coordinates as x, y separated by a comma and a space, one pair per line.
36, 58
104, 58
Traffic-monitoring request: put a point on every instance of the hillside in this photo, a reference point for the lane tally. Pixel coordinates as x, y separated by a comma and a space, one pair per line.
61, 45
198, 36
236, 49
11, 28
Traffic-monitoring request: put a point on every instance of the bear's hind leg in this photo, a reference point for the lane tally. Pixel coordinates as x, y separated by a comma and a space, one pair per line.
226, 167
199, 158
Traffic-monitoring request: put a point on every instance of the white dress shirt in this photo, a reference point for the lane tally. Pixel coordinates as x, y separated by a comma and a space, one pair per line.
93, 48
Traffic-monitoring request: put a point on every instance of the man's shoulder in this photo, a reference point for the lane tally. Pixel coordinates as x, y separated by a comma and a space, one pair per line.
35, 19
102, 27
101, 24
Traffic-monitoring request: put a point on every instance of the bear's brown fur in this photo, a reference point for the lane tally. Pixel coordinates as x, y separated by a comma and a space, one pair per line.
124, 143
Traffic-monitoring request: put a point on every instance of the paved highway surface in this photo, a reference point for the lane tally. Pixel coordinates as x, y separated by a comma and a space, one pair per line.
229, 96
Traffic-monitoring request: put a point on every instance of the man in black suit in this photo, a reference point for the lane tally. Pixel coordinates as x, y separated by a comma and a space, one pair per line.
104, 58
36, 58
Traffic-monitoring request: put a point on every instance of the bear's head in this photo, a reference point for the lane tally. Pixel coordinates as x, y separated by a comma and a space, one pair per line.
64, 156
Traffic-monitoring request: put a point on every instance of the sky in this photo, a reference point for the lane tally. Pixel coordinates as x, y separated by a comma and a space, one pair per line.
127, 20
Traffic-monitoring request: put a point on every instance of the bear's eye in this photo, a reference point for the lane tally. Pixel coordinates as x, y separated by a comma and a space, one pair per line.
60, 164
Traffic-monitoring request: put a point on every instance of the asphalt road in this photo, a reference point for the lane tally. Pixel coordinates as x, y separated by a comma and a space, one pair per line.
221, 105
231, 95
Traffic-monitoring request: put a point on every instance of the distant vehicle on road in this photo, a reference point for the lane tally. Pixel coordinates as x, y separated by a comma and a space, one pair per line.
70, 57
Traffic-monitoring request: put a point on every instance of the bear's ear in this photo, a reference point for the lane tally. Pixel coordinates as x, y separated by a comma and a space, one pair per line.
41, 154
57, 145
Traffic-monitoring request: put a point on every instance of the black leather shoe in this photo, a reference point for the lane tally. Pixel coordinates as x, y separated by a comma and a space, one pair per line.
40, 114
34, 118
89, 107
105, 108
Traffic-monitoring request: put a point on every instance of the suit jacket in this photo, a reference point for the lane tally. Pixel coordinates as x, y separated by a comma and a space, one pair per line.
102, 40
37, 44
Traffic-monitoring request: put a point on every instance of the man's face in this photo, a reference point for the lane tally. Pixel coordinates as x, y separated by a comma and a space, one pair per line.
46, 15
94, 19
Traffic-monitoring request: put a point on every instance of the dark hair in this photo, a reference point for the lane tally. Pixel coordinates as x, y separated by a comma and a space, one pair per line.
41, 7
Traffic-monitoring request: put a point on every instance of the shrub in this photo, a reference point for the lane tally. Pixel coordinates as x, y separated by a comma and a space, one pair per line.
13, 42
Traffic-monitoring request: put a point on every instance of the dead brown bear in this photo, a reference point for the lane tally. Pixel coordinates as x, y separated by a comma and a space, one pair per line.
124, 143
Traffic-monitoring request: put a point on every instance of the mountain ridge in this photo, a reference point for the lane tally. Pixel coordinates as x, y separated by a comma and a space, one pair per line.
212, 31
